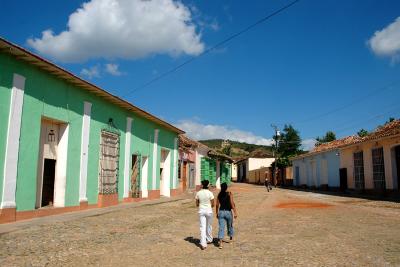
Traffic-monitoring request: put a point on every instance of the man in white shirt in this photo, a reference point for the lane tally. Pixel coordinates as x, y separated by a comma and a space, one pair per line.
205, 202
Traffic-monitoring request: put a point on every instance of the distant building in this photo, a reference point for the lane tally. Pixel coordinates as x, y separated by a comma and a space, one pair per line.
320, 167
199, 162
253, 170
368, 164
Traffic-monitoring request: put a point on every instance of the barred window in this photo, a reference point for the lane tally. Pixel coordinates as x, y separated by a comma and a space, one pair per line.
359, 170
109, 159
378, 167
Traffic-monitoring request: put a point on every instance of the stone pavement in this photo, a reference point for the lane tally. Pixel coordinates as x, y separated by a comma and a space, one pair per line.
279, 228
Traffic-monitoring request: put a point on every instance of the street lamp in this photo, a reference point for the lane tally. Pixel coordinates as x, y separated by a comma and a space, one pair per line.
277, 135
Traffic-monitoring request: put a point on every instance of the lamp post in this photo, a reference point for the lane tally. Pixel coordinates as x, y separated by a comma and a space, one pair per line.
274, 173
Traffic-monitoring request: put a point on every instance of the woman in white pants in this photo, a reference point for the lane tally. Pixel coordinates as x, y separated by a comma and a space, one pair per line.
205, 202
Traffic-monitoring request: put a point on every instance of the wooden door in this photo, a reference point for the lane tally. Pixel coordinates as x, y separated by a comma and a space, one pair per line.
49, 171
343, 178
184, 176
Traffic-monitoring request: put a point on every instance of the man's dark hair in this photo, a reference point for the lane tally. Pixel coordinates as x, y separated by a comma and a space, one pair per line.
205, 184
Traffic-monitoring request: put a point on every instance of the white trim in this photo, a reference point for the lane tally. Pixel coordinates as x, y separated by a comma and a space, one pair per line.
84, 150
175, 167
145, 176
127, 155
218, 181
166, 175
155, 158
61, 167
12, 145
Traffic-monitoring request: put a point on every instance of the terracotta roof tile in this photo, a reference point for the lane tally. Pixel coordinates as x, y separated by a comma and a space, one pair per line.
186, 142
390, 129
336, 144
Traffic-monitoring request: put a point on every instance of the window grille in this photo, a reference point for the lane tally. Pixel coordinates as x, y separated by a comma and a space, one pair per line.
378, 167
359, 170
109, 161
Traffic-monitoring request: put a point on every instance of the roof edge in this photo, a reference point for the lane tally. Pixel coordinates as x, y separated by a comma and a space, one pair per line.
33, 58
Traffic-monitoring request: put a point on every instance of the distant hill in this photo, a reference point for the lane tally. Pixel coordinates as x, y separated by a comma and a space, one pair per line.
239, 149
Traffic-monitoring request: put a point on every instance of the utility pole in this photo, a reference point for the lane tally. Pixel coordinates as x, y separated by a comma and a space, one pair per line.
275, 153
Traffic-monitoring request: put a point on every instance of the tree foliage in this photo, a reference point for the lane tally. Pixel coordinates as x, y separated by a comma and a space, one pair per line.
362, 133
328, 137
226, 147
289, 143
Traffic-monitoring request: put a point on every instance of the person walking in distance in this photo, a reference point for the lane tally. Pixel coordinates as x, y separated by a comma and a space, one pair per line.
205, 203
267, 182
224, 207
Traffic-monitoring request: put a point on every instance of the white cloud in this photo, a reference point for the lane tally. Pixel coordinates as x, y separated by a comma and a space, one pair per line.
308, 144
386, 42
123, 29
113, 69
92, 72
200, 131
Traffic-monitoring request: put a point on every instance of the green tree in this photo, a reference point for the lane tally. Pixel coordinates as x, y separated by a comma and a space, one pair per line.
362, 133
329, 137
289, 143
391, 119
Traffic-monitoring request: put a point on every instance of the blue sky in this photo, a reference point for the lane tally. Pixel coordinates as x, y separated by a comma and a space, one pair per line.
320, 65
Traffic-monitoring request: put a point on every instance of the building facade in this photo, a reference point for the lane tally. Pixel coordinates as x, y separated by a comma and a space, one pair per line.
318, 170
369, 164
66, 144
253, 170
372, 164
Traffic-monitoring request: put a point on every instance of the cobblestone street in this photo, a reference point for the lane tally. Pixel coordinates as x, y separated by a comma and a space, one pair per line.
279, 228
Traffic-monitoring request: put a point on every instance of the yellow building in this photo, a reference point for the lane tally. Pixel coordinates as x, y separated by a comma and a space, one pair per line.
253, 170
372, 163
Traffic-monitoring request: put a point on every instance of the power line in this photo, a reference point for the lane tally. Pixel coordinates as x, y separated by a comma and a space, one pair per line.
358, 122
207, 51
372, 93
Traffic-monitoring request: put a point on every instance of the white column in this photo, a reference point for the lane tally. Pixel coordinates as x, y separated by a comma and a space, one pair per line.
388, 161
12, 145
155, 159
198, 168
167, 176
87, 110
127, 156
218, 182
145, 177
175, 169
61, 167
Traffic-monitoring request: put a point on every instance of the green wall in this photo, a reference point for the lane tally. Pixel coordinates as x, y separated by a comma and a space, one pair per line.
49, 96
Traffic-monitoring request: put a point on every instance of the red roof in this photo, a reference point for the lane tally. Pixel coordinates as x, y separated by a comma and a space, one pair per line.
390, 129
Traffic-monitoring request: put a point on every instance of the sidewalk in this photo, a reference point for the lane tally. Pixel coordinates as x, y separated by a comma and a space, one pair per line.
70, 216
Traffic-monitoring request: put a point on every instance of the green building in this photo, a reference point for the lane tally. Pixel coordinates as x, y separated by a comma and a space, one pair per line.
66, 144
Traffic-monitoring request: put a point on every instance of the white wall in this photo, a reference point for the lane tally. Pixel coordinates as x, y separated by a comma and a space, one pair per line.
166, 173
12, 145
256, 163
127, 162
145, 176
60, 181
84, 150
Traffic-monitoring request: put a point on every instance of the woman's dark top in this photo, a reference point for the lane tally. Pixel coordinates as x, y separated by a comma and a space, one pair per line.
224, 201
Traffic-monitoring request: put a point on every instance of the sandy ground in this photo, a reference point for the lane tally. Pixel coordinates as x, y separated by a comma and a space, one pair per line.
279, 228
